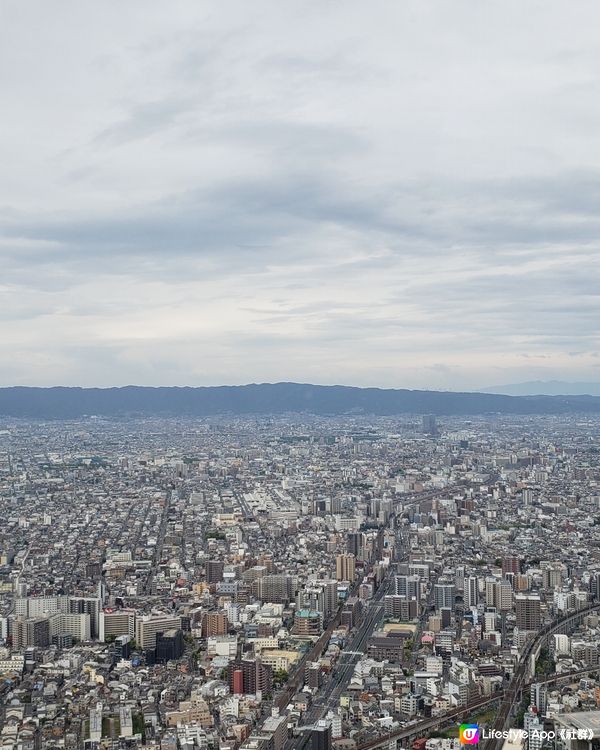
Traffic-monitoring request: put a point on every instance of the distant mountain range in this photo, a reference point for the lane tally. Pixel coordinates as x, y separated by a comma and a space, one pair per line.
273, 398
545, 388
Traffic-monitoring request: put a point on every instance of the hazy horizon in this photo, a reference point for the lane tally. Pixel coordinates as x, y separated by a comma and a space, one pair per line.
528, 388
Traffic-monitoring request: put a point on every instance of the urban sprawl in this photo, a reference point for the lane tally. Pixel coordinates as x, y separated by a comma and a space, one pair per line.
301, 582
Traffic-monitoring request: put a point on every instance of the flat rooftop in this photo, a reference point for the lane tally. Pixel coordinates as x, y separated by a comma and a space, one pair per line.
588, 720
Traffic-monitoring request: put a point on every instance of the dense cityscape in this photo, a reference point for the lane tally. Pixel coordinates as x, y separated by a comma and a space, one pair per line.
298, 582
300, 375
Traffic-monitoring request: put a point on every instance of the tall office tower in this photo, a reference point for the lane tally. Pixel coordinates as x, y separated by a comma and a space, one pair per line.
214, 623
460, 577
528, 611
471, 595
511, 564
407, 586
443, 595
320, 736
430, 424
214, 571
355, 541
345, 567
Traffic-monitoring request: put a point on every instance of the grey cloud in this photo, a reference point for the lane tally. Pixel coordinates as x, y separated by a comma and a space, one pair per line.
143, 120
301, 187
257, 213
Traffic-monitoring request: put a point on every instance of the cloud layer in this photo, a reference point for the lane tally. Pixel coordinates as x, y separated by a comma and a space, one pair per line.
404, 194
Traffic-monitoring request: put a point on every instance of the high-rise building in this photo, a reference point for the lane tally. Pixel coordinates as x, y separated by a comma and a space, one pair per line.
169, 645
430, 424
539, 697
87, 605
122, 647
408, 586
504, 596
313, 675
594, 585
511, 564
355, 541
528, 612
534, 728
498, 594
329, 598
75, 625
490, 591
146, 629
553, 576
276, 589
400, 608
307, 622
44, 606
320, 595
214, 571
249, 676
471, 593
214, 623
275, 730
444, 595
32, 631
345, 569
116, 622
320, 736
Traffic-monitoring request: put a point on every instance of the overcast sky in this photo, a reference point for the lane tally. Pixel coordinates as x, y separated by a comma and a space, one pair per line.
385, 193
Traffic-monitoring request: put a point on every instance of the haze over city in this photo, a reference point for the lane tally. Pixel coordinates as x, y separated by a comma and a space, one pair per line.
218, 193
